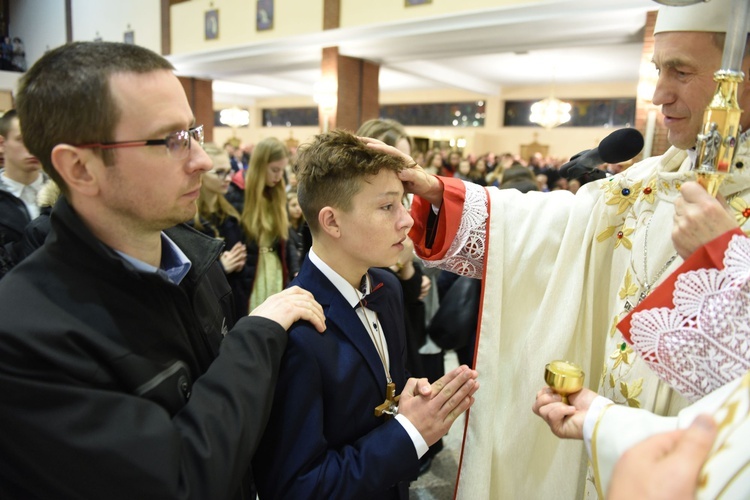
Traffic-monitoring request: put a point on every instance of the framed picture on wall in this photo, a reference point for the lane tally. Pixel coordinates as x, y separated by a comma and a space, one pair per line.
409, 3
212, 24
264, 16
129, 37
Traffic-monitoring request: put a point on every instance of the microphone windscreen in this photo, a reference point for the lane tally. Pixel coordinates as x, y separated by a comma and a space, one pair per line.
620, 145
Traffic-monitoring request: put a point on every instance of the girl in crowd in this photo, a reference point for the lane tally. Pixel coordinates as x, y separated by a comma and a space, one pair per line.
297, 227
217, 218
478, 174
271, 257
464, 170
434, 163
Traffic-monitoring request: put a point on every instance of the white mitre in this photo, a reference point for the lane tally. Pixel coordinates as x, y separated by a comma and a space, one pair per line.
709, 15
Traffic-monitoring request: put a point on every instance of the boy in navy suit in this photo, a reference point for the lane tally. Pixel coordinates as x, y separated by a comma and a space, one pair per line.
335, 430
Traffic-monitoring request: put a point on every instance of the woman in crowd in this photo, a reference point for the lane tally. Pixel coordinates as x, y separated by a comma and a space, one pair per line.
478, 174
297, 226
434, 163
271, 257
217, 218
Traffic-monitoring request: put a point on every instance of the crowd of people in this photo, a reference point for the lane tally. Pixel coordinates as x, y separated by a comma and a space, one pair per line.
183, 320
12, 54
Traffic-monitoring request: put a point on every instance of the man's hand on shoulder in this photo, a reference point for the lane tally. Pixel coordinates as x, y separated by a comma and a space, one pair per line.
291, 305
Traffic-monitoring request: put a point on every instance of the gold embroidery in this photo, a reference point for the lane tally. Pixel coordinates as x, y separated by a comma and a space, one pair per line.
650, 197
629, 288
622, 237
623, 201
613, 329
610, 187
729, 417
703, 481
622, 356
594, 462
604, 235
631, 392
741, 210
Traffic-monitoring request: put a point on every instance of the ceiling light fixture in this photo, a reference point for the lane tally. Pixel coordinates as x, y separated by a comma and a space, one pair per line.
234, 117
550, 112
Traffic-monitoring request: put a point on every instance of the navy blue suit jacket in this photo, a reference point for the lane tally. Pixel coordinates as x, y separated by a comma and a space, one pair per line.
322, 439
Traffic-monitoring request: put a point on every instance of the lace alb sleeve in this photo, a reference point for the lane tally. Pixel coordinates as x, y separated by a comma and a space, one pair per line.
704, 342
466, 254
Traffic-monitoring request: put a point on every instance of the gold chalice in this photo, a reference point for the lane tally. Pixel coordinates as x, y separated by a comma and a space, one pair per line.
564, 378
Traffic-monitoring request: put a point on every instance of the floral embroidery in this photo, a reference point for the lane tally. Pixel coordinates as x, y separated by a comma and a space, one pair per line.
622, 356
622, 238
613, 328
741, 210
631, 391
628, 287
604, 235
622, 198
649, 192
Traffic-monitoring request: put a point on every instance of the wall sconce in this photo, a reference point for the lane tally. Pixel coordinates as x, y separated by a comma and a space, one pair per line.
325, 94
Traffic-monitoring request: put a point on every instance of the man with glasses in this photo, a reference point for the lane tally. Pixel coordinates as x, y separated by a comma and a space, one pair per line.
121, 372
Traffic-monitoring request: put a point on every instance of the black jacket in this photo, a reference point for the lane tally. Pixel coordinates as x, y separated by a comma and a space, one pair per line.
13, 219
230, 233
120, 384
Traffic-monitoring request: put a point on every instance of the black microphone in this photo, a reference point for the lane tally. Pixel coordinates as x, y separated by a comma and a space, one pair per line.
620, 145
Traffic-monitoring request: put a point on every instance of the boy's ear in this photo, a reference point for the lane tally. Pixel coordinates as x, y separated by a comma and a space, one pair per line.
328, 222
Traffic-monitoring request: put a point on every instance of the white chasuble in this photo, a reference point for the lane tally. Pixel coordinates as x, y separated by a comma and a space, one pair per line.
562, 270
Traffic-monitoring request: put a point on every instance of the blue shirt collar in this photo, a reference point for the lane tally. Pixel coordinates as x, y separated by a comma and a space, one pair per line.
174, 263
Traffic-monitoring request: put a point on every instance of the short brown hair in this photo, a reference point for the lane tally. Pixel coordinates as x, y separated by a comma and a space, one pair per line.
6, 122
331, 170
386, 130
65, 97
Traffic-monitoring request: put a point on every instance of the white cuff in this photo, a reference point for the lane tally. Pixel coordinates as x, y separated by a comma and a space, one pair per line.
420, 445
589, 423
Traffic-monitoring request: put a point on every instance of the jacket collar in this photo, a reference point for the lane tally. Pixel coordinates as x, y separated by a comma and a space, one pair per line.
68, 229
339, 311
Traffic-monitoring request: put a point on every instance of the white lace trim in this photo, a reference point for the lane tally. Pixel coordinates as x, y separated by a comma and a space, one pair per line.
704, 342
466, 254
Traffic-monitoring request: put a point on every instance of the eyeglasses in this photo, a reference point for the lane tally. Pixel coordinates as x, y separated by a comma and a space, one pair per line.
221, 174
177, 143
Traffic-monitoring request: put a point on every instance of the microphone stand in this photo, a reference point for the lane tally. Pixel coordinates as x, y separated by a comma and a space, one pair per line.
721, 121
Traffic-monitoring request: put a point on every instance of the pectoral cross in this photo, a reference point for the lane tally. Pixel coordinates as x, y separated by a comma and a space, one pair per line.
389, 407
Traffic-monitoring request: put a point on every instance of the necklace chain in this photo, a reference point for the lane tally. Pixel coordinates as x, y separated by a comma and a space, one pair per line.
648, 284
377, 340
